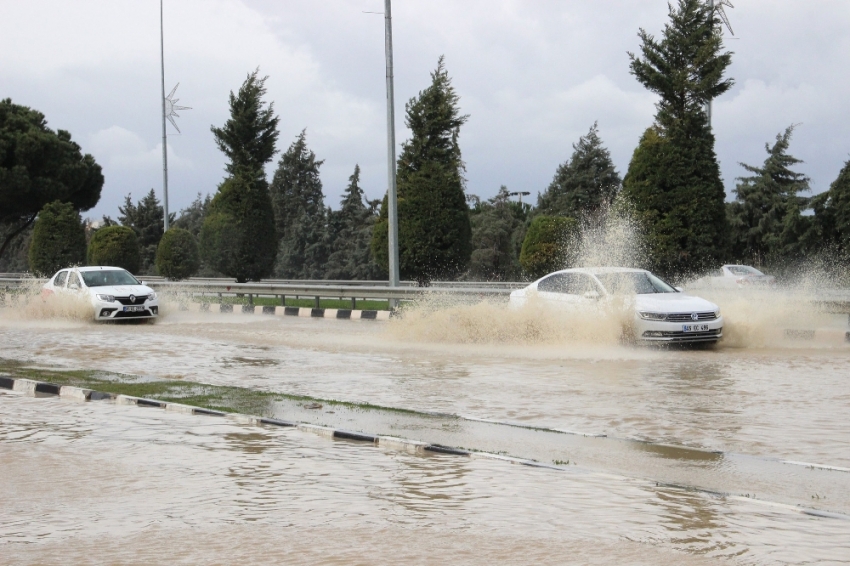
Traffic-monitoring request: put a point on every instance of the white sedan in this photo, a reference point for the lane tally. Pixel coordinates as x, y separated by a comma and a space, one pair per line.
733, 276
114, 293
662, 313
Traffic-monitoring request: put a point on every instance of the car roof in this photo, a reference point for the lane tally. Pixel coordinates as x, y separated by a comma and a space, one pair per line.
599, 270
97, 268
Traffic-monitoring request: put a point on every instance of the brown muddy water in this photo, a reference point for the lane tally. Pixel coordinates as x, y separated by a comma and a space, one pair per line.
142, 485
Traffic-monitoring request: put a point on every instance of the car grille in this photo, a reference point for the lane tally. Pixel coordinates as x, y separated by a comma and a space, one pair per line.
686, 317
132, 314
140, 300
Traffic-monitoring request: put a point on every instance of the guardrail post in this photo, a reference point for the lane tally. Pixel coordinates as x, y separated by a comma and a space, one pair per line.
251, 299
354, 303
317, 302
282, 300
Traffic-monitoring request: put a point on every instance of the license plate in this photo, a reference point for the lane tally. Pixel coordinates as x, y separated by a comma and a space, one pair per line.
694, 328
138, 308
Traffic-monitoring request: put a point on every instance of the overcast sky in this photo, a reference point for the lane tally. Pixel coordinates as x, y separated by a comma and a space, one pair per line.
533, 75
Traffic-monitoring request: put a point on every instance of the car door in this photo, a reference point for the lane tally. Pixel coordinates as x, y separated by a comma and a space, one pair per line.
566, 289
74, 283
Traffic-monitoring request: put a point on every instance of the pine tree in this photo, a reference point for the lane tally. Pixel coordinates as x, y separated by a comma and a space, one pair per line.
765, 217
496, 239
350, 235
238, 235
146, 220
674, 179
584, 183
300, 215
434, 228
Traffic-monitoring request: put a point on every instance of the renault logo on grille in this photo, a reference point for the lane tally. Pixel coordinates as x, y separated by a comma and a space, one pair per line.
694, 316
133, 300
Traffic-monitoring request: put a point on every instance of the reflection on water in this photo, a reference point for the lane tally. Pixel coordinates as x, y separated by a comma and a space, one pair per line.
96, 482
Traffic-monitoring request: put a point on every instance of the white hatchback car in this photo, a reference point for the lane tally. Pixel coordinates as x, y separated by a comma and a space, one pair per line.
114, 293
662, 313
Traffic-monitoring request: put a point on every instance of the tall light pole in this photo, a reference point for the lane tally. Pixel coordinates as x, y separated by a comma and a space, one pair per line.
392, 201
164, 148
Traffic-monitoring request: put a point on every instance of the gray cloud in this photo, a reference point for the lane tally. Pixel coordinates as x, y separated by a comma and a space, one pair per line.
533, 76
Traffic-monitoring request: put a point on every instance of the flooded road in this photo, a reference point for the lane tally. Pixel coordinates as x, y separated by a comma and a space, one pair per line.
243, 491
96, 483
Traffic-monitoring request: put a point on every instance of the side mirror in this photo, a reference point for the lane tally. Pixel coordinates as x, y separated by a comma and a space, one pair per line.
593, 295
679, 289
143, 282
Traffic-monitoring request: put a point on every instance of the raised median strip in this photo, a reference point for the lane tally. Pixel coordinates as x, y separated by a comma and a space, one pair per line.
305, 312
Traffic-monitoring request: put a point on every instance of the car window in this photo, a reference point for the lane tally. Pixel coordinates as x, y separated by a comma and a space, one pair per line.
73, 279
59, 280
567, 283
104, 277
634, 283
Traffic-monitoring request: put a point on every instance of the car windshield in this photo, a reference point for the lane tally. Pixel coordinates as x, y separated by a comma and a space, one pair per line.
744, 270
633, 283
106, 277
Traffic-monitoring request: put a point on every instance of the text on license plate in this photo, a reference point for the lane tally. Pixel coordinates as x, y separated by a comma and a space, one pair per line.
694, 328
137, 308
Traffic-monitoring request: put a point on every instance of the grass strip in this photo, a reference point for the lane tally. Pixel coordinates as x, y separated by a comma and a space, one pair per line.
217, 397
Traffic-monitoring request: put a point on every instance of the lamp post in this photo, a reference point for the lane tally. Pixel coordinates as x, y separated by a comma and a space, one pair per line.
392, 201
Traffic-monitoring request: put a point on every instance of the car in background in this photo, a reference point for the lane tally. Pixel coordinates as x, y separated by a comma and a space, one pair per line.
734, 276
661, 313
113, 292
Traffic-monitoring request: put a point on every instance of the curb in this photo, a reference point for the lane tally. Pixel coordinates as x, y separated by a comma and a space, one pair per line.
305, 312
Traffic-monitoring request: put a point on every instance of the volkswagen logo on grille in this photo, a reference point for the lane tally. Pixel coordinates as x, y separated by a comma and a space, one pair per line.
133, 300
694, 316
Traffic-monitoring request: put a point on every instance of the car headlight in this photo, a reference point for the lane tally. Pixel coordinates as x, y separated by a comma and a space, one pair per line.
717, 313
653, 315
107, 298
152, 296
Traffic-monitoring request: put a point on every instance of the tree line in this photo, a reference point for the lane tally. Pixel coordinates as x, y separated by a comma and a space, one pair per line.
253, 228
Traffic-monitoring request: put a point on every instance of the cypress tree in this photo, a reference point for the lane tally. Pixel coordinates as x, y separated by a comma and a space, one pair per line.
545, 246
116, 246
434, 228
177, 254
238, 235
830, 227
58, 239
300, 215
350, 235
674, 179
765, 217
584, 183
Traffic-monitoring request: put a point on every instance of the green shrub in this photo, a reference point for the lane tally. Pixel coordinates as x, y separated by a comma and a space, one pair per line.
58, 239
116, 246
238, 236
543, 249
177, 254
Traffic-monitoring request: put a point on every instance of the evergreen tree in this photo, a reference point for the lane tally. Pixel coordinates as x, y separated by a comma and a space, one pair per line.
350, 235
674, 180
39, 166
497, 231
238, 235
146, 220
765, 217
300, 215
115, 246
434, 229
544, 249
830, 227
584, 183
192, 217
248, 138
177, 254
58, 239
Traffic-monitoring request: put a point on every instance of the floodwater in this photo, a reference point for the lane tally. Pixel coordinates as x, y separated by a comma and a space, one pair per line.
132, 482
